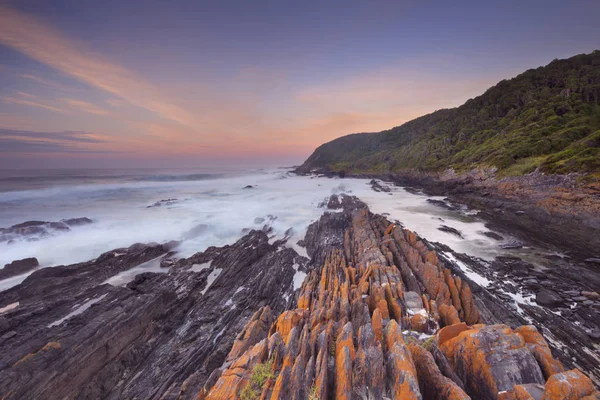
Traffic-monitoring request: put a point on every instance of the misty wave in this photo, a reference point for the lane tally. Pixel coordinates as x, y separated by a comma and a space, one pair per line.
178, 178
212, 212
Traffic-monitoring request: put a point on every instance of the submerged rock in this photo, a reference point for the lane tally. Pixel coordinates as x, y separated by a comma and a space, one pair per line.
35, 230
451, 230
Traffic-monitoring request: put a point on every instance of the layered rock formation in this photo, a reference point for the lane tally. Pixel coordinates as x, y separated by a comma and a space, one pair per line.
66, 333
367, 326
379, 315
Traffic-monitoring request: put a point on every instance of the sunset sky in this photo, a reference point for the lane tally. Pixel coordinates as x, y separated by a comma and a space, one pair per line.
252, 83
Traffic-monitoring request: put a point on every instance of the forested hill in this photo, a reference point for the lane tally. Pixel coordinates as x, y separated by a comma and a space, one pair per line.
548, 117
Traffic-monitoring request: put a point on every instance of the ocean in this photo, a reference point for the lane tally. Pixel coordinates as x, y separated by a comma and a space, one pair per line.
203, 208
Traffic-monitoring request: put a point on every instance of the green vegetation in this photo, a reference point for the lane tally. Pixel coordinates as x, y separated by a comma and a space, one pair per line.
547, 118
260, 374
427, 343
312, 395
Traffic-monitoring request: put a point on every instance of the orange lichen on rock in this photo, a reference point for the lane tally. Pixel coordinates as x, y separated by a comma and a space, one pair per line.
345, 340
539, 347
237, 375
490, 359
569, 385
450, 332
433, 385
47, 346
448, 314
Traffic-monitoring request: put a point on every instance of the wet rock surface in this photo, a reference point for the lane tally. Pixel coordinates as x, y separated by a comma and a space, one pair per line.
381, 314
367, 326
34, 230
70, 335
18, 267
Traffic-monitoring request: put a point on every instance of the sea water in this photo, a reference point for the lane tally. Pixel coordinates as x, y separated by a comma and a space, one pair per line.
208, 208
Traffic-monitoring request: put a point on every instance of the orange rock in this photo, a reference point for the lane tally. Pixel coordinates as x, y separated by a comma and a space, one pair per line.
400, 370
281, 387
345, 340
433, 385
539, 347
236, 376
419, 323
490, 359
343, 374
431, 257
450, 332
392, 335
454, 293
389, 229
382, 306
377, 323
523, 392
448, 315
255, 330
466, 299
569, 385
288, 320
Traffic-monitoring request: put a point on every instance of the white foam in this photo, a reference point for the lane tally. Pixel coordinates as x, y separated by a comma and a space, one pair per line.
212, 213
474, 276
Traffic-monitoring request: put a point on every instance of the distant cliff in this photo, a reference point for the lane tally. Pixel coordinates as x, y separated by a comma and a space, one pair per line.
547, 118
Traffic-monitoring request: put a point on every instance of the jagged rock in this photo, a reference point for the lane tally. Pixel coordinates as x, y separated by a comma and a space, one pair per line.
236, 328
163, 334
433, 385
18, 267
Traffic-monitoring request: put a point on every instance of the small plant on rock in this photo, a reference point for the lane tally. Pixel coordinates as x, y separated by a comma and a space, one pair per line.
261, 373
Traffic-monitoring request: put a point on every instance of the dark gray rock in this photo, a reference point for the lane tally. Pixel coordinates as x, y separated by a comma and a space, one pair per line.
548, 298
19, 267
143, 340
493, 235
448, 229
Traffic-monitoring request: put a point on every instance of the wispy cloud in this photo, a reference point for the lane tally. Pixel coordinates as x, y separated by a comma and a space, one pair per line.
85, 106
42, 43
18, 141
40, 80
23, 94
14, 100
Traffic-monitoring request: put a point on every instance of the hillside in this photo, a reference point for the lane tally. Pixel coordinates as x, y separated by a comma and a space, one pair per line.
548, 117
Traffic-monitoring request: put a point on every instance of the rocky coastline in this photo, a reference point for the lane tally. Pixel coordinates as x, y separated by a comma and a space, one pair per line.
566, 206
373, 312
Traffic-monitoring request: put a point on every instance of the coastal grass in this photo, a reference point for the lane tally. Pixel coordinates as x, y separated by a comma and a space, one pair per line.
260, 374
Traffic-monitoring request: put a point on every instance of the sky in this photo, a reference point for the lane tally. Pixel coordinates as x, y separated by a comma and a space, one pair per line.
95, 84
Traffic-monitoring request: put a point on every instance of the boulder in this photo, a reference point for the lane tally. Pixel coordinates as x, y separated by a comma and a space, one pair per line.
491, 359
548, 298
569, 385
